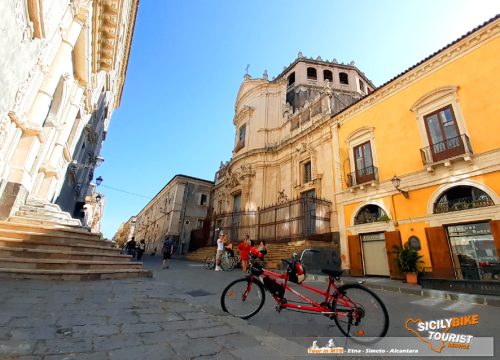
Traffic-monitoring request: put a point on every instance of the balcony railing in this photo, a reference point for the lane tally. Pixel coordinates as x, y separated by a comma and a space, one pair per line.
462, 204
446, 149
362, 176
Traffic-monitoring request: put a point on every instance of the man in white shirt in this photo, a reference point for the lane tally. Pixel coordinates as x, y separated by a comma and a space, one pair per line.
220, 250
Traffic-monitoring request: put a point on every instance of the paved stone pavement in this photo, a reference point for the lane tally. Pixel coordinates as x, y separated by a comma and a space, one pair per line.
122, 319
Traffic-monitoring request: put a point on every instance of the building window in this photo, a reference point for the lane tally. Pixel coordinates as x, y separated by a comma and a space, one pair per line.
361, 86
363, 163
199, 225
311, 73
327, 75
203, 199
462, 198
241, 137
443, 134
307, 173
369, 214
344, 78
291, 79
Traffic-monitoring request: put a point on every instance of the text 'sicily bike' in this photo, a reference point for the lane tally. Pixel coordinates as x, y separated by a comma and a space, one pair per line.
358, 312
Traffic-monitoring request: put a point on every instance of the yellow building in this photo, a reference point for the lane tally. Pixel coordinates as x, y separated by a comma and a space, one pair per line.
417, 162
320, 151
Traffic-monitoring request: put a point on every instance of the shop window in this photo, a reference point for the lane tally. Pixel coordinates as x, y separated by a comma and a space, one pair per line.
462, 198
369, 214
291, 79
474, 251
311, 73
327, 75
344, 78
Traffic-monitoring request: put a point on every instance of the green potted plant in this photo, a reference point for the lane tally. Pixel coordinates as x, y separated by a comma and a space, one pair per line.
408, 261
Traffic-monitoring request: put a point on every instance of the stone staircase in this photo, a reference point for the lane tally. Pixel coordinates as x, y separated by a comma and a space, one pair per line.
275, 251
42, 242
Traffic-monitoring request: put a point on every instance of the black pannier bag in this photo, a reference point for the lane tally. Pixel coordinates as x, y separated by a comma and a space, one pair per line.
273, 287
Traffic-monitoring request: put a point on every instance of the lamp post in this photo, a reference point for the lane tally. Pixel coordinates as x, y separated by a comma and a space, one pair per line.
397, 182
99, 180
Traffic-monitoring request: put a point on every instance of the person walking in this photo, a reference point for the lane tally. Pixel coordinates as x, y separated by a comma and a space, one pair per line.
244, 247
168, 250
220, 250
141, 248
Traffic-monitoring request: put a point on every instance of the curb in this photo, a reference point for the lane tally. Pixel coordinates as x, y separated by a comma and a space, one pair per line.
428, 293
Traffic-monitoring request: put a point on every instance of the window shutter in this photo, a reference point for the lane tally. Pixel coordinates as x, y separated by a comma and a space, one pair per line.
355, 255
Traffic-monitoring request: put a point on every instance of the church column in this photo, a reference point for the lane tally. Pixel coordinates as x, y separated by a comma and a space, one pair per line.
54, 167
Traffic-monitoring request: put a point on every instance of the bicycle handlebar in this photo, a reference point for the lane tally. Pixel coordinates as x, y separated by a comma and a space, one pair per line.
308, 250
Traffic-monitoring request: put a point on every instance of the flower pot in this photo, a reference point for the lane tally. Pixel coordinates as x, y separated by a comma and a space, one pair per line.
411, 278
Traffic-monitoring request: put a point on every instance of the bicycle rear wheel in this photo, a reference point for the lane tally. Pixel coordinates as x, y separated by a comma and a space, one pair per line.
243, 298
360, 314
210, 262
227, 263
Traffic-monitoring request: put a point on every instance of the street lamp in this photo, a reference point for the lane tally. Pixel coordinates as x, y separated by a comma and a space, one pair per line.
99, 180
397, 182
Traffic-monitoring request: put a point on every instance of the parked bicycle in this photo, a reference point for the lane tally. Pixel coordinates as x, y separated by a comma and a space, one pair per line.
227, 262
357, 311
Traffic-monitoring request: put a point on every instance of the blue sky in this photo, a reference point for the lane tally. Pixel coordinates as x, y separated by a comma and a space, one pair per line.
188, 59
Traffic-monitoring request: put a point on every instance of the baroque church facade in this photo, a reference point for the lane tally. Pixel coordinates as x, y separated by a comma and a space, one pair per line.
63, 71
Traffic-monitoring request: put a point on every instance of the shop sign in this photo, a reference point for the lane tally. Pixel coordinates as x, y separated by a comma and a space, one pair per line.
374, 237
469, 229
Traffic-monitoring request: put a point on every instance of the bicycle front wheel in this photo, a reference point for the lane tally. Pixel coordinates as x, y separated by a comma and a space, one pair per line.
360, 314
210, 262
243, 298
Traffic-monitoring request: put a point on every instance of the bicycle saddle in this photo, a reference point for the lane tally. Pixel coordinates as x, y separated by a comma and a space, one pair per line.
333, 273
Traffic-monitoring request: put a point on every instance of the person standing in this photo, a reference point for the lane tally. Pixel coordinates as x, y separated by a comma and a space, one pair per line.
131, 247
220, 250
244, 247
168, 250
140, 249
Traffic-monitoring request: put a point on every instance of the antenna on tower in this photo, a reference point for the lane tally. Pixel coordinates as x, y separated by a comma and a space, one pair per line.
246, 69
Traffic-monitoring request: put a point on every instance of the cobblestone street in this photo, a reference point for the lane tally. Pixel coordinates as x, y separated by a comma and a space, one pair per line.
139, 319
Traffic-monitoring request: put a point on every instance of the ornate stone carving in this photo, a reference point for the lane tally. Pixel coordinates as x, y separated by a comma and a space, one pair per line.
4, 123
282, 198
246, 170
232, 180
22, 20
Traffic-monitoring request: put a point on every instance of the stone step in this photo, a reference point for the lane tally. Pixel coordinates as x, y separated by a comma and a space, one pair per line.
53, 238
28, 219
42, 205
70, 230
44, 215
74, 275
64, 264
9, 251
47, 245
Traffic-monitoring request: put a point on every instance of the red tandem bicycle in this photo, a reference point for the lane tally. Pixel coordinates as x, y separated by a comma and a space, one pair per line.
357, 311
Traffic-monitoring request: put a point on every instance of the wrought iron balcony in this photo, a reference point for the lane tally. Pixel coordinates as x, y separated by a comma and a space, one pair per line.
362, 176
446, 149
462, 204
